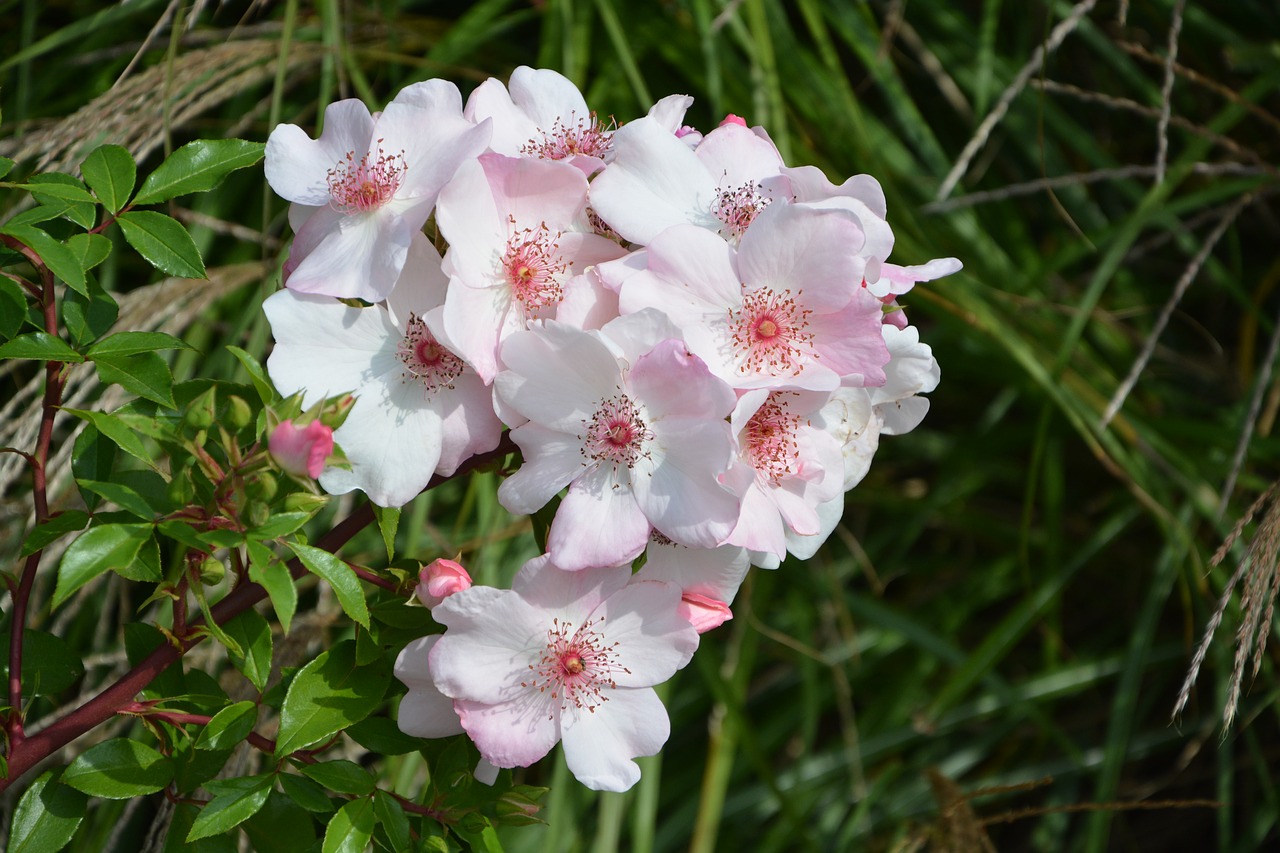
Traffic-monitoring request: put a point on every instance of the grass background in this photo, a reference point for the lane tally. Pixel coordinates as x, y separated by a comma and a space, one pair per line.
987, 651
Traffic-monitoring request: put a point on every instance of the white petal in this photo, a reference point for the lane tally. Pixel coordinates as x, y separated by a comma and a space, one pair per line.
597, 524
325, 347
598, 747
297, 166
557, 375
551, 460
493, 635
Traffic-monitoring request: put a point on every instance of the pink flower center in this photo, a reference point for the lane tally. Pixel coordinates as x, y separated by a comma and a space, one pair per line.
578, 667
737, 207
534, 268
616, 434
426, 359
364, 186
769, 333
589, 137
770, 440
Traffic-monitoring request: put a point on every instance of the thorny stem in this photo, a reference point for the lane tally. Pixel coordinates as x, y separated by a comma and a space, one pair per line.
39, 489
25, 755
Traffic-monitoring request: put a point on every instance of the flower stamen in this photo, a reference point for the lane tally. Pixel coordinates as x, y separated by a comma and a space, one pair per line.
359, 187
425, 359
534, 267
769, 333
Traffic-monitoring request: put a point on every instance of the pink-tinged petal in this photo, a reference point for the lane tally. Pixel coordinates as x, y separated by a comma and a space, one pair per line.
712, 572
359, 257
669, 112
801, 249
493, 636
599, 747
468, 423
469, 219
568, 595
698, 270
734, 155
702, 612
587, 303
473, 321
530, 191
654, 182
546, 96
796, 505
850, 343
424, 711
652, 640
898, 280
760, 526
598, 523
673, 382
301, 450
614, 273
582, 251
515, 733
912, 368
422, 284
324, 347
633, 335
809, 184
557, 376
440, 579
425, 121
512, 128
551, 460
297, 167
682, 497
804, 547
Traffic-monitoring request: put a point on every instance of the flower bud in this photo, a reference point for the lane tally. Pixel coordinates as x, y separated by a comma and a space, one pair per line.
257, 513
733, 119
239, 413
303, 502
201, 413
703, 612
212, 571
439, 580
301, 451
262, 486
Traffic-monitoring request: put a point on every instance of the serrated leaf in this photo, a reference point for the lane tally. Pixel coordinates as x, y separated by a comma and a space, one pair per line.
13, 308
341, 775
305, 793
280, 524
53, 529
121, 495
327, 695
184, 817
269, 573
388, 523
228, 727
60, 260
89, 249
261, 383
163, 242
65, 195
47, 815
145, 374
109, 547
350, 829
119, 769
198, 166
238, 801
58, 190
110, 172
40, 346
132, 343
89, 316
394, 821
49, 664
6, 166
346, 586
119, 434
282, 826
252, 632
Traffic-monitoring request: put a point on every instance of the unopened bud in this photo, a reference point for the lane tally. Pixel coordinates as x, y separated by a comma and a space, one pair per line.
257, 513
212, 571
201, 412
733, 119
335, 413
239, 413
262, 485
441, 579
301, 450
304, 502
703, 612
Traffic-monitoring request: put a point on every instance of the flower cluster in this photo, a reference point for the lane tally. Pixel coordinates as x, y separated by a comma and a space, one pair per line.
695, 344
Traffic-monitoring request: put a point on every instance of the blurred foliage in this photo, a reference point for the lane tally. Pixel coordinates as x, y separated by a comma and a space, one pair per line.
988, 650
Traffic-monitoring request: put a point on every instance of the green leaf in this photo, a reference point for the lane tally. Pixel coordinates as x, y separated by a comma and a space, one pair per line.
383, 736
119, 433
394, 821
253, 634
280, 524
132, 343
119, 769
198, 166
237, 800
41, 346
282, 826
49, 664
88, 317
305, 793
122, 496
261, 383
345, 777
193, 767
184, 817
229, 726
53, 529
13, 308
60, 260
479, 833
110, 172
350, 829
340, 576
327, 695
163, 242
6, 165
269, 573
145, 374
47, 815
109, 547
89, 249
388, 522
66, 196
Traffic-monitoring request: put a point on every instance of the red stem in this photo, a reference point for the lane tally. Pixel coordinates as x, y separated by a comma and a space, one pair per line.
24, 756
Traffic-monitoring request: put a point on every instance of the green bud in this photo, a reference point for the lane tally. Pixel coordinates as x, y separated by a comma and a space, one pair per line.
304, 502
212, 571
202, 411
257, 513
239, 413
262, 486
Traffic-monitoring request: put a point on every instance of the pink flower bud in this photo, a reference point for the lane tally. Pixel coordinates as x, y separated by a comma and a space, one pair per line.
733, 119
301, 451
685, 130
441, 579
703, 612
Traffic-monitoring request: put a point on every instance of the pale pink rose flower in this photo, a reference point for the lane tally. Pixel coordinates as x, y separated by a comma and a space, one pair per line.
568, 657
301, 450
439, 580
708, 578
